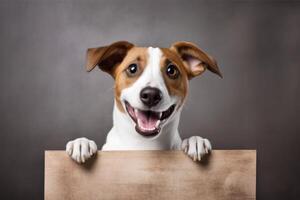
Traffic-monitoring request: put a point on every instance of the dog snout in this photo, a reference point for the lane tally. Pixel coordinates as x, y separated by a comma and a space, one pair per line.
150, 96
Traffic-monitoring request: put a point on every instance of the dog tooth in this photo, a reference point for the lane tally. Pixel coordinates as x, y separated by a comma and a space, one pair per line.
138, 121
157, 123
160, 114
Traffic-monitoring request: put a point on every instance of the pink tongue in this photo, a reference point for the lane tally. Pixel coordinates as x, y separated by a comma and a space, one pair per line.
146, 120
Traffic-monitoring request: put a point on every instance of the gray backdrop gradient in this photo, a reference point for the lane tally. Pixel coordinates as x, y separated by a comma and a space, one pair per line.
47, 98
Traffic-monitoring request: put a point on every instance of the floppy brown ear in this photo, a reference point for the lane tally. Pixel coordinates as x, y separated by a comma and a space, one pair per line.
195, 58
107, 57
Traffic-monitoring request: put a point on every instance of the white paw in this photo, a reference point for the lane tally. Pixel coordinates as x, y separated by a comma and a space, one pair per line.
196, 147
81, 149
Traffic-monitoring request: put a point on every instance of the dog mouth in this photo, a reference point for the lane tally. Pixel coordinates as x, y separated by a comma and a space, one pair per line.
147, 122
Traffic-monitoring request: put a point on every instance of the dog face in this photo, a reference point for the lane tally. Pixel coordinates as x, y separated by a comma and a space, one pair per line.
151, 84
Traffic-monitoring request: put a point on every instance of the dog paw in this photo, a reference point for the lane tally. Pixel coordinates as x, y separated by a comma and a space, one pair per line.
196, 147
81, 149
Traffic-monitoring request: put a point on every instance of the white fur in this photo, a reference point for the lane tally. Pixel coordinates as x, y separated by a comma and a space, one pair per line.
123, 136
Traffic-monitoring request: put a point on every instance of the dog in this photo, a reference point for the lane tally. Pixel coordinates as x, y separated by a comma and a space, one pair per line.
151, 87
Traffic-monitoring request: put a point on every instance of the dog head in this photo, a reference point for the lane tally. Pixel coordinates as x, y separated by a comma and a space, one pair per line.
151, 84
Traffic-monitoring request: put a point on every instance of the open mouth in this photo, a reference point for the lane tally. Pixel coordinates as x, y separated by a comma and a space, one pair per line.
148, 123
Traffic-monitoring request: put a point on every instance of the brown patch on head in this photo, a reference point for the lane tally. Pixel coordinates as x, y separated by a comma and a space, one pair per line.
115, 59
176, 86
190, 61
136, 55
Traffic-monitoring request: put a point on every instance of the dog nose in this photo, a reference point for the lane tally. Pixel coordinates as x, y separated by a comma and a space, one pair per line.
150, 96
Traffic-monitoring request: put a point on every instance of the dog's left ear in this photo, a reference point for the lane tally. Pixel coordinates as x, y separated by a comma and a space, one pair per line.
196, 59
107, 57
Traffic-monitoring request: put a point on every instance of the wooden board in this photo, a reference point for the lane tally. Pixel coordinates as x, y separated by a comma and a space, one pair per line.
142, 175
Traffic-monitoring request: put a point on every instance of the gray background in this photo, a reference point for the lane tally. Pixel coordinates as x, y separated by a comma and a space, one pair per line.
47, 98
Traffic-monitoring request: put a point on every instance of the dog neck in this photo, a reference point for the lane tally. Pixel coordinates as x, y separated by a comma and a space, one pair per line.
123, 135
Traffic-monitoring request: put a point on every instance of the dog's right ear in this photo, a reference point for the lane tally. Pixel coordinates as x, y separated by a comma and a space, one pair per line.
107, 57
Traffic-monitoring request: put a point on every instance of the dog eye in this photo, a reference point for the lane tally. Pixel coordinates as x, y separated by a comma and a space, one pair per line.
172, 71
132, 69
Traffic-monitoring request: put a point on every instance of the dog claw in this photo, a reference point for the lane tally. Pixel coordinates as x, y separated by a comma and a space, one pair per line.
199, 157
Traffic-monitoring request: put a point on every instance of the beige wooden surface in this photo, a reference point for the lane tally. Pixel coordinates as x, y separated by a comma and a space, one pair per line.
139, 175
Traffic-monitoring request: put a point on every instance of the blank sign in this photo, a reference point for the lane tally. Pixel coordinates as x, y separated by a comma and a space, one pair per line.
141, 175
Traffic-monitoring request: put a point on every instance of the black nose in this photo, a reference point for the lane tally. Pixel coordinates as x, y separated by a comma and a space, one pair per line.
150, 96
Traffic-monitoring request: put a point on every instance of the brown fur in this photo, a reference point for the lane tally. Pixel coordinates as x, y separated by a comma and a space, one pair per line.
179, 86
